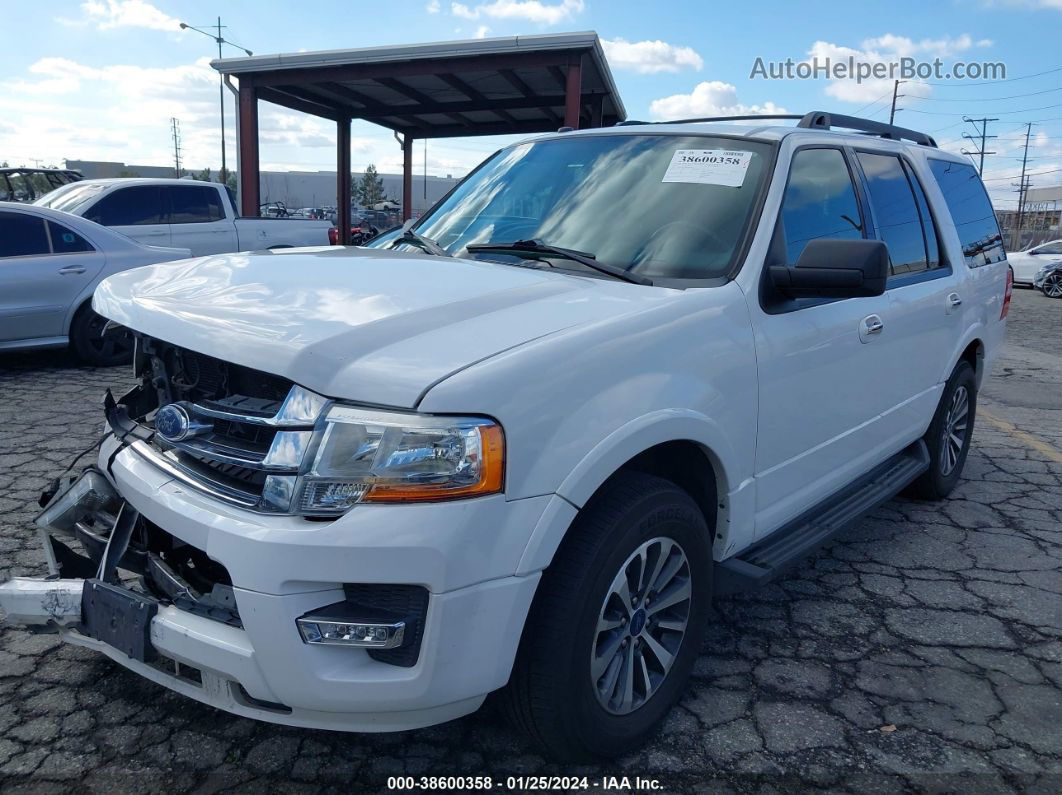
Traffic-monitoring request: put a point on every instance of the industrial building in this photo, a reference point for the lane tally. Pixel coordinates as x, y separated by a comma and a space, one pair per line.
294, 188
1041, 219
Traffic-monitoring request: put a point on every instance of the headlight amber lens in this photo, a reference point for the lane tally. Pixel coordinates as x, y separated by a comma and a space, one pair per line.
371, 456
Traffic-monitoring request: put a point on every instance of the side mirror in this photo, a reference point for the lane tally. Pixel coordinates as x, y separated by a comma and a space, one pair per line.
830, 268
408, 223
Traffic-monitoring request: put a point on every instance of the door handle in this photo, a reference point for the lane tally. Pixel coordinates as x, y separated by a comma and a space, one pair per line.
873, 324
71, 269
954, 300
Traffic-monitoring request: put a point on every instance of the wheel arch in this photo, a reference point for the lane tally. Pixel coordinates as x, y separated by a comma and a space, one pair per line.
681, 446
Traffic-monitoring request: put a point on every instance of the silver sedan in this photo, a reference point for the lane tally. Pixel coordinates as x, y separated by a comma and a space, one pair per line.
50, 264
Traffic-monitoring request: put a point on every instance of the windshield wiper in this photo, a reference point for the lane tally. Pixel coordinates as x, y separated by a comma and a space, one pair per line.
417, 239
532, 247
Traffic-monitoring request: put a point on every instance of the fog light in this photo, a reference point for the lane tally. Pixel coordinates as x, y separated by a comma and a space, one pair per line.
348, 633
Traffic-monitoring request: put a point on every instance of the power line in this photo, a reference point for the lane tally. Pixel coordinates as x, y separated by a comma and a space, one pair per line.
990, 99
984, 137
872, 102
1016, 176
1004, 112
997, 82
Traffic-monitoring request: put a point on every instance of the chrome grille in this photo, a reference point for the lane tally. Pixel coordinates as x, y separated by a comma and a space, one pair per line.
251, 451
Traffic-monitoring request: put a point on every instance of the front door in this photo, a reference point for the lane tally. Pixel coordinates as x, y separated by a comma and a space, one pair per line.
823, 386
44, 267
136, 211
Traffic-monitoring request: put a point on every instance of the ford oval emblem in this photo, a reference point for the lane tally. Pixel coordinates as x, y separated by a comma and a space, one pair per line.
173, 423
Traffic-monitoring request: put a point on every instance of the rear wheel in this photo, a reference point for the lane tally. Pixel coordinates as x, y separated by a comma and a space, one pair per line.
948, 437
97, 345
617, 623
1052, 286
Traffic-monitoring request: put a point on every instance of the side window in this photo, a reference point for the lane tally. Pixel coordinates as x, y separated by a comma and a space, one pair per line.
67, 241
131, 206
971, 212
819, 201
22, 235
194, 204
896, 215
929, 226
1050, 248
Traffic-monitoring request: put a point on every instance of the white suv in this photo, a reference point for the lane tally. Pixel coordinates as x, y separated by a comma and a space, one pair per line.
613, 373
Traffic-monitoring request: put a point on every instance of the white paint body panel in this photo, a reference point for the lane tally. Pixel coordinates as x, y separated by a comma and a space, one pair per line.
583, 373
1026, 264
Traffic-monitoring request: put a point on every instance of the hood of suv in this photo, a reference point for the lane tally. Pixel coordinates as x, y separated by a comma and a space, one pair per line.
367, 325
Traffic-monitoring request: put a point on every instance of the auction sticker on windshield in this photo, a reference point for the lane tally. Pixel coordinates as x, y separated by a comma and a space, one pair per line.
709, 167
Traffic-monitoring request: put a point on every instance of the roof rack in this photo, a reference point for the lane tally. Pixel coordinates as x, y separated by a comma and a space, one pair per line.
820, 120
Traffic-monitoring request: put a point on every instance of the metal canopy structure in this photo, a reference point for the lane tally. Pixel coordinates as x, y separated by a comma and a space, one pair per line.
521, 84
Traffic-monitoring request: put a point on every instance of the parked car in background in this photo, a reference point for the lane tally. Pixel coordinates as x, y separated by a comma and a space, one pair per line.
1049, 280
198, 215
29, 184
1027, 264
50, 263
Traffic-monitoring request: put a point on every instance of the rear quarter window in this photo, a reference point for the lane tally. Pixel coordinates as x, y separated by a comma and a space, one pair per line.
971, 211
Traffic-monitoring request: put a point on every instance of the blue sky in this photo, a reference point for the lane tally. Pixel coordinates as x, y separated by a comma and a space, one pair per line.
100, 79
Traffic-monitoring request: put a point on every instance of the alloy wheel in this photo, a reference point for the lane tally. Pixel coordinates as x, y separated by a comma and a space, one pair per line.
641, 626
956, 426
109, 345
1053, 285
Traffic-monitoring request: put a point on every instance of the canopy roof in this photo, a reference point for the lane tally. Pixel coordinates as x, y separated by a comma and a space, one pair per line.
517, 84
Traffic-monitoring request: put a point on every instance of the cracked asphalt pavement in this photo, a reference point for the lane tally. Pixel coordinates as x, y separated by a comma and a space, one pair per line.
920, 651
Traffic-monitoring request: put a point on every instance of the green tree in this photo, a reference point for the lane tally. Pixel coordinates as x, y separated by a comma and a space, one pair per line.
370, 190
127, 173
227, 178
202, 176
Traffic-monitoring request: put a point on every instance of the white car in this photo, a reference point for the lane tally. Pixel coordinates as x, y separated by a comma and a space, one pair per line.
50, 264
1027, 264
200, 216
613, 372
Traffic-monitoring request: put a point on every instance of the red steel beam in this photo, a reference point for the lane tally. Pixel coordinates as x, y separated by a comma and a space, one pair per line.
249, 165
407, 177
573, 92
343, 187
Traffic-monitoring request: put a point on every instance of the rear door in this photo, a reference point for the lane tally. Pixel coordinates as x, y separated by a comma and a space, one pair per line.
136, 211
197, 219
925, 294
44, 267
824, 386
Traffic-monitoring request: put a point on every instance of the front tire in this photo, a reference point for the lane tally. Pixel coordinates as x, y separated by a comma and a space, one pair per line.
95, 346
948, 437
617, 622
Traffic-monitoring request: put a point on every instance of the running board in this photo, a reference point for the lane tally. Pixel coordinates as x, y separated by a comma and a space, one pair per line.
788, 545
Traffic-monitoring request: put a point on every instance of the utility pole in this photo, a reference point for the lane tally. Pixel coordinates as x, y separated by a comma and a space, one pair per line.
223, 175
1023, 185
895, 96
984, 125
175, 132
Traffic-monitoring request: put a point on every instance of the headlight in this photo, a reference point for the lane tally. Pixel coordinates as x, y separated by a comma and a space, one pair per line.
376, 456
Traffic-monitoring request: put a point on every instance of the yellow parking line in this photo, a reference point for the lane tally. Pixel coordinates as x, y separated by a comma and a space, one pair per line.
1025, 438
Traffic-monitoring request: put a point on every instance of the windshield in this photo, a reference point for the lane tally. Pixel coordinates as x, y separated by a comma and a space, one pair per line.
661, 206
69, 197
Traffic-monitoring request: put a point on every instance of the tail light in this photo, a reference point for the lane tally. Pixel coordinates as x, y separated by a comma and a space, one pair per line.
1007, 293
333, 236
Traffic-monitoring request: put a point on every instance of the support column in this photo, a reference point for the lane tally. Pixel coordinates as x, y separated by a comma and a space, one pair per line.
597, 109
249, 163
573, 90
343, 187
407, 176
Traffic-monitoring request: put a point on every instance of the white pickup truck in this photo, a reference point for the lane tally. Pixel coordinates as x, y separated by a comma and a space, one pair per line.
200, 216
521, 444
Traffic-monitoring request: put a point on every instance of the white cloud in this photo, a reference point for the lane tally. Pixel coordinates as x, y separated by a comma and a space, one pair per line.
708, 98
650, 57
527, 10
108, 14
886, 49
482, 31
433, 7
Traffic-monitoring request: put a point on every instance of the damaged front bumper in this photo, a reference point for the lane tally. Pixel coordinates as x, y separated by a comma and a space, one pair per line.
139, 571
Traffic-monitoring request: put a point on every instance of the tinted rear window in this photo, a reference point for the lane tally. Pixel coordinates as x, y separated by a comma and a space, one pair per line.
194, 204
22, 235
971, 211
